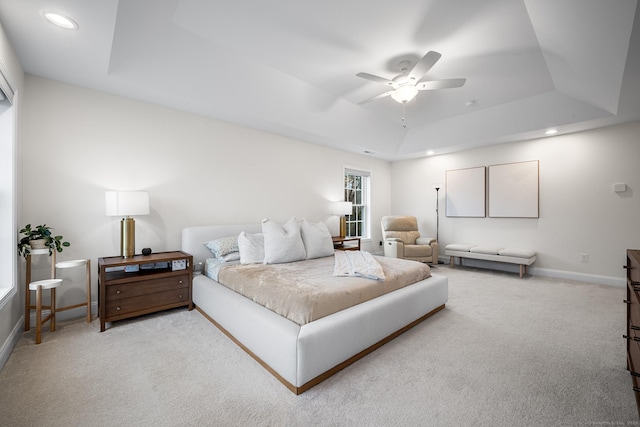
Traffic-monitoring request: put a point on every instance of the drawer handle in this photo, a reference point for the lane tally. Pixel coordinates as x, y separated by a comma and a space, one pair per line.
635, 328
635, 374
628, 267
118, 291
631, 338
180, 296
626, 301
180, 282
118, 308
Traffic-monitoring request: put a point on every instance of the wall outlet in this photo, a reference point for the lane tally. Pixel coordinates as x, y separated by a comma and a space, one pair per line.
584, 257
380, 242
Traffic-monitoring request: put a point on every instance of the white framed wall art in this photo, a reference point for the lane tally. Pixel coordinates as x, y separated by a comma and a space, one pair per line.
514, 190
465, 192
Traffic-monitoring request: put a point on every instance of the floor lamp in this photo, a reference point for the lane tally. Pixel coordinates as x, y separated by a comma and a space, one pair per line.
437, 213
438, 219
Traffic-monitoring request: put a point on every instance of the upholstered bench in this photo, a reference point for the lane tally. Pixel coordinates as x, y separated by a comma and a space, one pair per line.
523, 257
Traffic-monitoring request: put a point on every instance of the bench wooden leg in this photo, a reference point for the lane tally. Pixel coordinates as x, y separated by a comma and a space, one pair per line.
522, 268
451, 259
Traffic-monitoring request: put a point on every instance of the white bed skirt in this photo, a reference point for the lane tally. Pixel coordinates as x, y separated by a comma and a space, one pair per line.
301, 355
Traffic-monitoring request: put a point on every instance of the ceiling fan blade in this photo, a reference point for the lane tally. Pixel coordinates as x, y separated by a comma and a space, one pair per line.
373, 98
376, 79
441, 84
424, 65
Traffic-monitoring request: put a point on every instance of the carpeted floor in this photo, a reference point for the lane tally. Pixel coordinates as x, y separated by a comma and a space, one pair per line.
504, 352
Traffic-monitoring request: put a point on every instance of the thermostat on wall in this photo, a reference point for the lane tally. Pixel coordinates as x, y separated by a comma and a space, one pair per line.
179, 264
619, 187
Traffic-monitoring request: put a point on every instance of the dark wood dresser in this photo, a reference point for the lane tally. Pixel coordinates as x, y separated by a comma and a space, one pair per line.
143, 284
633, 320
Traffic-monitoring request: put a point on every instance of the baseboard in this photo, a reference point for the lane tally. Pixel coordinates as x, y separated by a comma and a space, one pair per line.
583, 277
12, 340
544, 272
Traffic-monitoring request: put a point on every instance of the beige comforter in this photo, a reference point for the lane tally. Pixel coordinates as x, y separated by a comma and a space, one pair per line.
305, 291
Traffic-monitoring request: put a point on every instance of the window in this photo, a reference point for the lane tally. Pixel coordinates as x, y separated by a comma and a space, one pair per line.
7, 201
357, 185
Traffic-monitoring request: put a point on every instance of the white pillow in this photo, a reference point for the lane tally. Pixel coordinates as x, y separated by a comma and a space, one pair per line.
317, 239
282, 243
251, 248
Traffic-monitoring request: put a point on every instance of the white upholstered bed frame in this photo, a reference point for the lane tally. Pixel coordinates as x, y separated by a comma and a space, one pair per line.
302, 356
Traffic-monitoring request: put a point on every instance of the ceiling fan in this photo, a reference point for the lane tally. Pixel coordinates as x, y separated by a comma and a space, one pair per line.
407, 84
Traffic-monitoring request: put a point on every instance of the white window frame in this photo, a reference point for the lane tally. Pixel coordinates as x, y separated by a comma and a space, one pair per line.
8, 252
361, 212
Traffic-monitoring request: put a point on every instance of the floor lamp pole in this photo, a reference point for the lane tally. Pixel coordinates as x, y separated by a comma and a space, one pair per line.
437, 214
438, 220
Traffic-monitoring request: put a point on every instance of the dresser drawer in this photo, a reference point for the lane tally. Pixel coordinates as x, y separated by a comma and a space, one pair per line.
634, 362
633, 300
145, 302
144, 287
633, 266
634, 316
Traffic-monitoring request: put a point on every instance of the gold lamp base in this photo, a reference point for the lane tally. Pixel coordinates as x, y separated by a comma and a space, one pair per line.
127, 237
343, 226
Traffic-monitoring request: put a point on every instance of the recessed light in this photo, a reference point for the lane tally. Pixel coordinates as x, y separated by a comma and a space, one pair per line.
60, 20
551, 132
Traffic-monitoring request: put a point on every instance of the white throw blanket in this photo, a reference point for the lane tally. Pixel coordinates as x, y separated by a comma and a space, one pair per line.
357, 263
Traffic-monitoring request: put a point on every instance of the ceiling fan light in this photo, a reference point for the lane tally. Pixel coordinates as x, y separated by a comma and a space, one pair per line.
404, 94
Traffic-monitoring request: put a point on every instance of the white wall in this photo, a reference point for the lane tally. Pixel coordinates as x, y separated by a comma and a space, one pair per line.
579, 212
78, 143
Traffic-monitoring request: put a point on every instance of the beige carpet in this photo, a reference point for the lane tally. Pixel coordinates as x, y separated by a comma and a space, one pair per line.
505, 352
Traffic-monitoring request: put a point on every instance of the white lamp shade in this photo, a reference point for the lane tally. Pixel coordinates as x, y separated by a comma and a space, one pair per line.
342, 208
404, 93
126, 203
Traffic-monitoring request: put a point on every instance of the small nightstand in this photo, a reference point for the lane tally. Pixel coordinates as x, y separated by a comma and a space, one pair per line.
346, 243
143, 284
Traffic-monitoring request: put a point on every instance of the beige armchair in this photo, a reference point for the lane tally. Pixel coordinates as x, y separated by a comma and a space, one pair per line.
402, 240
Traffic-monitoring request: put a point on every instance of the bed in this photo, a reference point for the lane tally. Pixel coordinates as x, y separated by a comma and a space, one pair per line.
301, 356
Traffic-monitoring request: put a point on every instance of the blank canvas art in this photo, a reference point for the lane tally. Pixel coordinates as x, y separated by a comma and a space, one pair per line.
513, 190
466, 192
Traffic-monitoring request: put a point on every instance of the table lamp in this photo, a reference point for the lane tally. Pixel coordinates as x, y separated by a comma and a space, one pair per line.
126, 204
342, 209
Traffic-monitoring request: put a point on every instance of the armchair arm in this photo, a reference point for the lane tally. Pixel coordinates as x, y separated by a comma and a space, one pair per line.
393, 248
435, 252
425, 240
431, 241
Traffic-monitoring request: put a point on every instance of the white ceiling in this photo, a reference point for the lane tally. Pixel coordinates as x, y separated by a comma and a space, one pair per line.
289, 66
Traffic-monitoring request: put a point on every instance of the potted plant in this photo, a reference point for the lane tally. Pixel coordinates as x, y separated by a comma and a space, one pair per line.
39, 237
